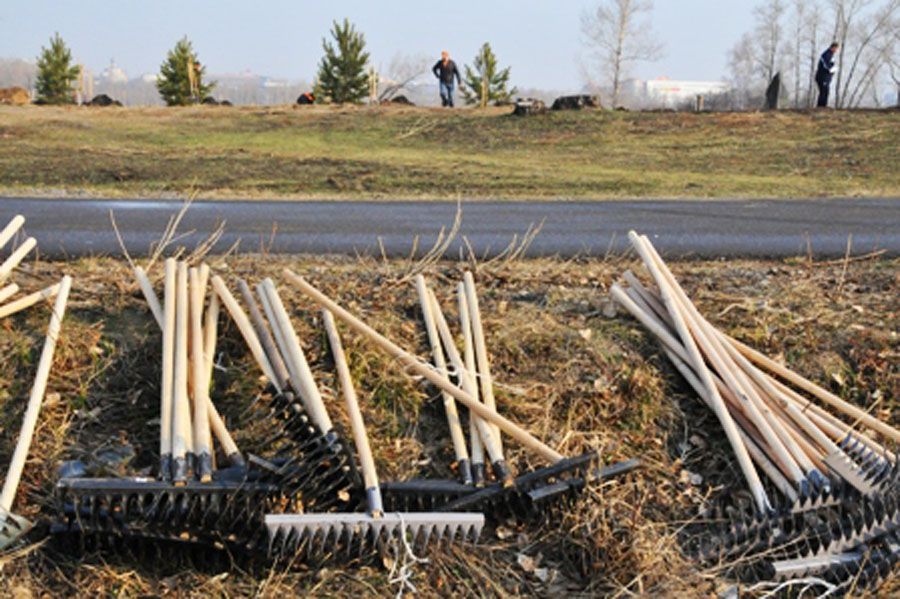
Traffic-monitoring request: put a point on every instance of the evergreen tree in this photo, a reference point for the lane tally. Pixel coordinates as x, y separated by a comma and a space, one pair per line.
56, 73
180, 79
342, 73
486, 83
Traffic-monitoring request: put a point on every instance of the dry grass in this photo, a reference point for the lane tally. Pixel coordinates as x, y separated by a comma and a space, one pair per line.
393, 153
577, 377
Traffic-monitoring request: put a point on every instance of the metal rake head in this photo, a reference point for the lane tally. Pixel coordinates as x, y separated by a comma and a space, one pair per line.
12, 529
317, 536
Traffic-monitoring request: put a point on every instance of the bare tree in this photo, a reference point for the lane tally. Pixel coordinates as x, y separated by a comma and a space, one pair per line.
814, 27
619, 38
769, 31
402, 71
867, 34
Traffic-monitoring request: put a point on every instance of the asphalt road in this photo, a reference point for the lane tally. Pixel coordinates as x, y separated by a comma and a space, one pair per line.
703, 228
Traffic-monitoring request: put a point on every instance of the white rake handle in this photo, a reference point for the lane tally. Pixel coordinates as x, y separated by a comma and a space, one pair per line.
440, 362
301, 375
167, 385
421, 368
182, 436
17, 464
202, 433
149, 295
11, 228
8, 291
16, 257
358, 426
28, 301
265, 336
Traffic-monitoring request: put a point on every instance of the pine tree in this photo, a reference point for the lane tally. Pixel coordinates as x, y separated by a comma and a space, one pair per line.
180, 79
342, 73
56, 74
485, 83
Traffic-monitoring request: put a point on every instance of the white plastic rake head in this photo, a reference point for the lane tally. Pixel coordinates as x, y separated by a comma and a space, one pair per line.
12, 528
323, 534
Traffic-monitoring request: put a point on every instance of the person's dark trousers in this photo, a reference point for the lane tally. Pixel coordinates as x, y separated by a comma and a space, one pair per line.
823, 93
447, 94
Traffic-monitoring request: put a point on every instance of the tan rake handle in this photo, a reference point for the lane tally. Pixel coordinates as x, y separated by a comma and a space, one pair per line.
149, 295
698, 364
423, 369
357, 425
469, 360
182, 441
202, 433
816, 391
38, 389
16, 257
440, 362
262, 331
467, 381
167, 386
209, 350
243, 324
481, 354
8, 291
11, 228
28, 300
301, 376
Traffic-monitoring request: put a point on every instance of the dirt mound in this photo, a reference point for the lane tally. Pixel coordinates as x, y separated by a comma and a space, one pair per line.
16, 96
103, 100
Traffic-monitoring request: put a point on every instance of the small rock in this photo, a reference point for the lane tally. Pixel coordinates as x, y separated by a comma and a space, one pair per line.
586, 334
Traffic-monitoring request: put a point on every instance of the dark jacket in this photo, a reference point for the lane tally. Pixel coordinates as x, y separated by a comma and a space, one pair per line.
826, 64
446, 72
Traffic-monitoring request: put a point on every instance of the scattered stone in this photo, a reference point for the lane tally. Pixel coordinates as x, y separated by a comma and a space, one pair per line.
529, 107
577, 102
14, 96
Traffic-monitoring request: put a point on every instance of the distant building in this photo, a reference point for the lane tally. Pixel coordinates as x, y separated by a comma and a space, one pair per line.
113, 74
670, 93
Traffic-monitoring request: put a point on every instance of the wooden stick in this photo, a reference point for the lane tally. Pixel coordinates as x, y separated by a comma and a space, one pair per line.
246, 329
467, 381
28, 300
265, 336
423, 369
699, 366
707, 339
357, 425
816, 391
11, 229
167, 386
8, 291
465, 324
440, 362
301, 375
486, 382
202, 433
149, 295
38, 389
16, 257
182, 440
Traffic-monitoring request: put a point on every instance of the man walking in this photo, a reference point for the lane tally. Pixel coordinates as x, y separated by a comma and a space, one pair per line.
445, 70
824, 72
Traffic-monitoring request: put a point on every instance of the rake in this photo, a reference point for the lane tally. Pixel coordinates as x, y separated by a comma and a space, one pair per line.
319, 534
12, 526
504, 492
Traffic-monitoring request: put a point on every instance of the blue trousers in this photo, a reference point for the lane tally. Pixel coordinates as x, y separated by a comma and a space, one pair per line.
447, 94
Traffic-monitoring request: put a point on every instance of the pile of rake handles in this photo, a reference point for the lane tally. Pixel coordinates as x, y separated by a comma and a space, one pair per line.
506, 496
839, 486
13, 526
192, 500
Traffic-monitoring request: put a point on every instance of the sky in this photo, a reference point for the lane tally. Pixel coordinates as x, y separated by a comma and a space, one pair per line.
540, 39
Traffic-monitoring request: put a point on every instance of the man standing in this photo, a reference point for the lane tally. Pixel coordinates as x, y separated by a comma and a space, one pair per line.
824, 72
445, 70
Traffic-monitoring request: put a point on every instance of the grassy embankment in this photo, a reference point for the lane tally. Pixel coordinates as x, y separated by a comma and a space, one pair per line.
575, 375
323, 152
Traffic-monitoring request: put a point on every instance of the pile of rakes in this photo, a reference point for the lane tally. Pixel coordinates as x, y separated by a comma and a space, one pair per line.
308, 496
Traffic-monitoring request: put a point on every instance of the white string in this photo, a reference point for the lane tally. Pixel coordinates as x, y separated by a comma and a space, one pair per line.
407, 562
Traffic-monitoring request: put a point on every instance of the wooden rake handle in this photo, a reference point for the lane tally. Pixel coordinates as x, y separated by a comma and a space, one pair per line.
421, 368
17, 464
